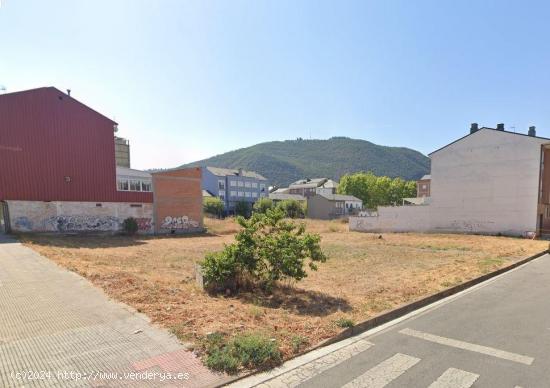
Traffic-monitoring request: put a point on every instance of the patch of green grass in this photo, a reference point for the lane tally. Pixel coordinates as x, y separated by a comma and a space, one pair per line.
377, 306
181, 331
256, 312
489, 264
344, 322
249, 350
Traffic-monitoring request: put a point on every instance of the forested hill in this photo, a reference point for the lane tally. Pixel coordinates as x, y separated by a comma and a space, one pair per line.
283, 162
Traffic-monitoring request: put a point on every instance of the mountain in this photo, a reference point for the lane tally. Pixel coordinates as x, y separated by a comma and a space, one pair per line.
283, 162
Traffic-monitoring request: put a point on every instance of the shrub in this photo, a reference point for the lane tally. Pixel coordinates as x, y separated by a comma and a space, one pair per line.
267, 249
130, 226
344, 322
242, 209
248, 350
213, 206
262, 205
298, 343
292, 208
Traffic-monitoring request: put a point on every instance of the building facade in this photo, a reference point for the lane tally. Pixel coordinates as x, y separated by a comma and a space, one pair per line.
331, 206
309, 187
234, 185
491, 181
59, 171
423, 186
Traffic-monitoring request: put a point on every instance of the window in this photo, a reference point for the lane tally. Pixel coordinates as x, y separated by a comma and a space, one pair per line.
146, 186
222, 197
424, 187
262, 186
233, 183
247, 184
122, 185
233, 193
222, 194
135, 185
240, 183
255, 185
247, 194
254, 194
241, 194
221, 185
136, 205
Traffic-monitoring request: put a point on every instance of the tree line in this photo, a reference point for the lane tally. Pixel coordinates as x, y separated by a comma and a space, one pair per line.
375, 190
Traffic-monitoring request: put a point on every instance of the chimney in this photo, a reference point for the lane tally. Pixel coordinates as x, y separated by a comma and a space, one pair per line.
532, 131
69, 92
474, 128
500, 127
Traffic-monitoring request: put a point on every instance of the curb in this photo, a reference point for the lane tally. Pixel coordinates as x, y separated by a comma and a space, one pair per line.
401, 311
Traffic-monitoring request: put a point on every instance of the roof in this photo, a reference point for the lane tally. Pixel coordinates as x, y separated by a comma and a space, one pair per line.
339, 197
59, 93
284, 196
330, 184
426, 177
218, 171
130, 172
490, 129
306, 183
281, 190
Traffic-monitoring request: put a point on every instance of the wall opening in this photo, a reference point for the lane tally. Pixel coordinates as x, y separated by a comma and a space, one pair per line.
4, 218
544, 193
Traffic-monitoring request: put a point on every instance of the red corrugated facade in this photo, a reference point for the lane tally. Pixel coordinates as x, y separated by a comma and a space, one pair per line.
47, 136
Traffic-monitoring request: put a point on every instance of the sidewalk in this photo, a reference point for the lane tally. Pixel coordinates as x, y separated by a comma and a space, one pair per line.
65, 332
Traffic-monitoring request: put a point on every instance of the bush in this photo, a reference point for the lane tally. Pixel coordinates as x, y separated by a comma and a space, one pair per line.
267, 249
242, 209
130, 226
213, 206
248, 350
262, 205
298, 343
344, 322
292, 208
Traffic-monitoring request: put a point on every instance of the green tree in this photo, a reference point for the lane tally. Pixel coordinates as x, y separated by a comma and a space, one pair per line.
242, 208
268, 249
292, 208
262, 205
213, 206
376, 191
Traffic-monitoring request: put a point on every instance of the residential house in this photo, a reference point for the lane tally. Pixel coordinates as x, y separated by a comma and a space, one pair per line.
330, 206
490, 181
423, 186
309, 187
59, 171
278, 197
234, 185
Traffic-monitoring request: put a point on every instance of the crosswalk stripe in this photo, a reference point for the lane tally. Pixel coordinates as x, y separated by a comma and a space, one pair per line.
307, 371
455, 378
469, 346
384, 373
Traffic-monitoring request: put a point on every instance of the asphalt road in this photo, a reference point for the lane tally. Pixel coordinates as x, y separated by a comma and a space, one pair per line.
494, 335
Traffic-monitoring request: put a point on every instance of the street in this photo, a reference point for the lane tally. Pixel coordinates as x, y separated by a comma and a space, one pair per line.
496, 334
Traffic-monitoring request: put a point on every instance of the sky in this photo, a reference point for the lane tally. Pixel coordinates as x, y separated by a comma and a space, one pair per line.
187, 80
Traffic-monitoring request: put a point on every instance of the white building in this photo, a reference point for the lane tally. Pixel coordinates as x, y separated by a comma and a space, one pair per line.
491, 181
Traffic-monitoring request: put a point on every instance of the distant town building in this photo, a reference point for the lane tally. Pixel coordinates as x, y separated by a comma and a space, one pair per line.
278, 197
309, 187
234, 185
423, 186
122, 152
331, 206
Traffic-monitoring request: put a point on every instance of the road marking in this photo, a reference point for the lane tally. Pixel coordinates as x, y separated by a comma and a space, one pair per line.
455, 378
384, 373
469, 346
305, 372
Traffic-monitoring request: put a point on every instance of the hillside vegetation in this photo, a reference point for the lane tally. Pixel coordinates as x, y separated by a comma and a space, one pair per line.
283, 162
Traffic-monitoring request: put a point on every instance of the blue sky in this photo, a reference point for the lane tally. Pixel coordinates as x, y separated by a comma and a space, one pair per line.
191, 79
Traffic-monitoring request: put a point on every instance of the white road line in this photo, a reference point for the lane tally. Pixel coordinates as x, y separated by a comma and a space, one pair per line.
384, 373
455, 378
469, 346
305, 372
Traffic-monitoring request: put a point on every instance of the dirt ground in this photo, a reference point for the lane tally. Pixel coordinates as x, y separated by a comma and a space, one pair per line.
366, 274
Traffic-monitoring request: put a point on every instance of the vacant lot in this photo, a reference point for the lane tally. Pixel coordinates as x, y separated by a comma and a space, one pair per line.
365, 275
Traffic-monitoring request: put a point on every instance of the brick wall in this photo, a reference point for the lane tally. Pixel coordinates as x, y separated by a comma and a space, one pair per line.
178, 201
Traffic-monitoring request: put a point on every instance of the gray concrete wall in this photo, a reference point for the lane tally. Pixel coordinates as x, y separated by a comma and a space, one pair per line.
56, 216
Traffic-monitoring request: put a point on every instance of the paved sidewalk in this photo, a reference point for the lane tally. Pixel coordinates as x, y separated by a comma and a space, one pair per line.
54, 322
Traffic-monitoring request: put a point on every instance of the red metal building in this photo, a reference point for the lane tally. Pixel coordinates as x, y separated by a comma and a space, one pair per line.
54, 148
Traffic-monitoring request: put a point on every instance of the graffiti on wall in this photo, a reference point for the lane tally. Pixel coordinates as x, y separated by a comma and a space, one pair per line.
82, 223
179, 223
23, 224
144, 224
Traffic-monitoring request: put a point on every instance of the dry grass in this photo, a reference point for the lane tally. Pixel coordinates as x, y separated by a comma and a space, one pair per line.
366, 274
